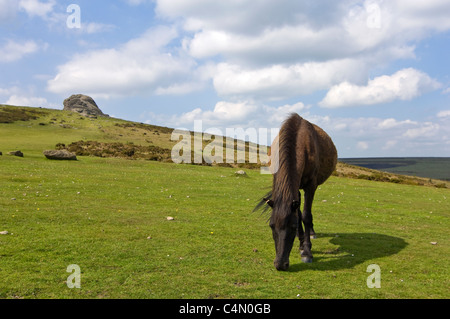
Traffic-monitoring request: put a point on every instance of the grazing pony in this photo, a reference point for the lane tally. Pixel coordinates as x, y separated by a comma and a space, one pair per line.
304, 156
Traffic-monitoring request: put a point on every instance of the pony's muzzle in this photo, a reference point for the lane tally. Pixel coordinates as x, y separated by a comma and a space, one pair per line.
281, 265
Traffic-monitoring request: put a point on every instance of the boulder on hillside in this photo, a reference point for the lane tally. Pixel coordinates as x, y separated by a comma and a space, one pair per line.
60, 155
83, 105
16, 153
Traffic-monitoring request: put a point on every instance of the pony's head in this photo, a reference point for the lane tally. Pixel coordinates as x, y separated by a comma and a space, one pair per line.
283, 222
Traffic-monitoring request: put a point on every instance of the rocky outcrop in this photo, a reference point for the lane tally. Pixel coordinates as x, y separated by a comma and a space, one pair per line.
83, 105
60, 155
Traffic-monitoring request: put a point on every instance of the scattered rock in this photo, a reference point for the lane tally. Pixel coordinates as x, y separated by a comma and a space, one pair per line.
433, 243
60, 155
83, 105
169, 218
5, 232
240, 173
16, 153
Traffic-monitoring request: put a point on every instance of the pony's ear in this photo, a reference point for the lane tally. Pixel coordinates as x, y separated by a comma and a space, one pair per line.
268, 202
295, 204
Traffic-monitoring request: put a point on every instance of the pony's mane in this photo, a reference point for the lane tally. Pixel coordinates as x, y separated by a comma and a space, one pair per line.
283, 189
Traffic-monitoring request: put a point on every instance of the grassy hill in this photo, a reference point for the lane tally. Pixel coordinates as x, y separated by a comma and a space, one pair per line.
108, 215
33, 130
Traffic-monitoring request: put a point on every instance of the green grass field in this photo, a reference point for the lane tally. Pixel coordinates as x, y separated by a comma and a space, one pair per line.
108, 216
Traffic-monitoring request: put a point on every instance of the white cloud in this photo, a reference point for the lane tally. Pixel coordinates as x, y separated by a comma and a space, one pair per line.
362, 145
353, 136
392, 123
405, 84
8, 10
289, 48
282, 81
247, 16
445, 113
428, 129
230, 114
16, 50
223, 113
94, 27
281, 45
274, 50
24, 97
143, 65
372, 136
27, 101
37, 8
297, 31
422, 16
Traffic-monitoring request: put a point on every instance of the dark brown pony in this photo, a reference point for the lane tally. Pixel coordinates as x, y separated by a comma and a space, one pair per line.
303, 156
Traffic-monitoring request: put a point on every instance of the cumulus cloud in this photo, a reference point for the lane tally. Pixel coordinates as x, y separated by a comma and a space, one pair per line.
275, 50
360, 136
230, 114
8, 10
143, 65
428, 129
373, 136
392, 123
285, 44
286, 48
203, 14
37, 8
15, 50
27, 101
24, 97
405, 84
445, 113
283, 81
94, 27
295, 30
223, 113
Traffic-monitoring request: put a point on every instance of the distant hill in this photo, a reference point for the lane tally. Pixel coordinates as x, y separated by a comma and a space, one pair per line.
428, 167
33, 130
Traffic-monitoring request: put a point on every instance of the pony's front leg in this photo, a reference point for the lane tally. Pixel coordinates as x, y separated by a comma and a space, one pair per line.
306, 254
300, 233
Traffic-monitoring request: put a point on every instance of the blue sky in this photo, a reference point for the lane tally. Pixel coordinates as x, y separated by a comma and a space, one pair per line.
373, 74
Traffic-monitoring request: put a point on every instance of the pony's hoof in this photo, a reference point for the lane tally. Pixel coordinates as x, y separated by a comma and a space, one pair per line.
307, 259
